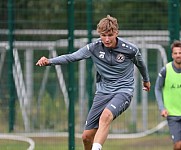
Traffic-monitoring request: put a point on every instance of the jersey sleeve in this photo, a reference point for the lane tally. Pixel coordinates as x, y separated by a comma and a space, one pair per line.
82, 53
138, 61
158, 88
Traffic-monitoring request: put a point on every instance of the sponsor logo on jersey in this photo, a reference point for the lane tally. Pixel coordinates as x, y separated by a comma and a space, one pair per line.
120, 58
174, 86
101, 54
113, 106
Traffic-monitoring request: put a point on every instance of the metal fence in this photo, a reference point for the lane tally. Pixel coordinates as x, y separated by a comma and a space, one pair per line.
41, 94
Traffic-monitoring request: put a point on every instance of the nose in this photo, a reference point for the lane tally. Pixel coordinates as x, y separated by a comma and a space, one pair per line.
107, 38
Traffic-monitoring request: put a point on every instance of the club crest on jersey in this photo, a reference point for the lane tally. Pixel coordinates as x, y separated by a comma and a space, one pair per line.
101, 54
120, 58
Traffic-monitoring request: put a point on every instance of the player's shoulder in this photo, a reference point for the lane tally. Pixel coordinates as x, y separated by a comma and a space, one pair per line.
163, 72
126, 43
169, 64
127, 46
96, 43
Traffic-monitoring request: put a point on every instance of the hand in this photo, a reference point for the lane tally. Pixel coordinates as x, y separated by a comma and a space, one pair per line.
164, 113
146, 86
43, 61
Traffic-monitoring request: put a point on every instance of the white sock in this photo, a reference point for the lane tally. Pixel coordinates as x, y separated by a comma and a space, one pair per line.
96, 146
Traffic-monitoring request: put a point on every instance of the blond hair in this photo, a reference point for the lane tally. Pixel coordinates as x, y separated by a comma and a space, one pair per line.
108, 24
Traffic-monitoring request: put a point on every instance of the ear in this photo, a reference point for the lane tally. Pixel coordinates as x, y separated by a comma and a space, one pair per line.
117, 32
172, 55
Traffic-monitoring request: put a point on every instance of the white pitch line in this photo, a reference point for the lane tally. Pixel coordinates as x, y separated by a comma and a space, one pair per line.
19, 138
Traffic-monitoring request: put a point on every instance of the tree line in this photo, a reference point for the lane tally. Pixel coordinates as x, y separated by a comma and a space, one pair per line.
48, 14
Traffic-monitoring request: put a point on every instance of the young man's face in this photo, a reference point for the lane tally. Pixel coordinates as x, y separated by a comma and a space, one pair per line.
176, 55
109, 39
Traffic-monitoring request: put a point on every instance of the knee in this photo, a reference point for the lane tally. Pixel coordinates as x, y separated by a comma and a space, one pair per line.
86, 138
106, 116
177, 145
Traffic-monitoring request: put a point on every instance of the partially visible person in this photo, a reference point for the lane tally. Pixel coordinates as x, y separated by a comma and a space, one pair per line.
114, 59
168, 94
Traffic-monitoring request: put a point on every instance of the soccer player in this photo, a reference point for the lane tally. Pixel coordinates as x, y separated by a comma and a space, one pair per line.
114, 59
168, 94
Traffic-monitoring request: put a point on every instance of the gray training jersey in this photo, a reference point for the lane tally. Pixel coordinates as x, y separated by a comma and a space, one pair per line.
115, 66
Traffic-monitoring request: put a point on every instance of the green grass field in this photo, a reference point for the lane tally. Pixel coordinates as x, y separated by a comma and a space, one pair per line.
156, 141
151, 142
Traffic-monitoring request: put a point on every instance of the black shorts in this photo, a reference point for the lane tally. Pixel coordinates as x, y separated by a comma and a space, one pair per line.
174, 124
116, 103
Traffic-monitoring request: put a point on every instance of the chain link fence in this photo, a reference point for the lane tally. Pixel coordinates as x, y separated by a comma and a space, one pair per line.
40, 28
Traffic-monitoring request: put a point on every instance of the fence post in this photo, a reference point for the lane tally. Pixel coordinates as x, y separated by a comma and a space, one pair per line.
71, 89
173, 22
10, 65
89, 62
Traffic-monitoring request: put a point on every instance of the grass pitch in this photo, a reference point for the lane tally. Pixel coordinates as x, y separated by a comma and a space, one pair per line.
152, 142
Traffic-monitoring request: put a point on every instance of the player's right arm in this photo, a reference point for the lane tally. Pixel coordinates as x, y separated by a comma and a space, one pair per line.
158, 91
43, 61
80, 54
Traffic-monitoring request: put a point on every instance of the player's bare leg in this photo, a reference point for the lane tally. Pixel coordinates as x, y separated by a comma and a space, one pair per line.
104, 124
177, 145
88, 138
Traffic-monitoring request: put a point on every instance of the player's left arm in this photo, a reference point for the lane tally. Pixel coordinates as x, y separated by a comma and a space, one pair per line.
138, 61
146, 86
